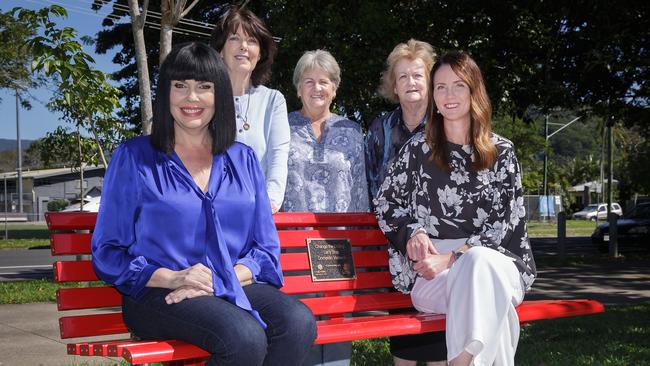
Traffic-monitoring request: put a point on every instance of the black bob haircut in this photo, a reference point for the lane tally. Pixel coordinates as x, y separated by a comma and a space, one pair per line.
200, 62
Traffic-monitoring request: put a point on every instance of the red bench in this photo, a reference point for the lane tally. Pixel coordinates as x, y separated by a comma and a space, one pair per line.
351, 309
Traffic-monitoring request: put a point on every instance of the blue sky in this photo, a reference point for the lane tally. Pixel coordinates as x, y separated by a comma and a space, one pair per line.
35, 123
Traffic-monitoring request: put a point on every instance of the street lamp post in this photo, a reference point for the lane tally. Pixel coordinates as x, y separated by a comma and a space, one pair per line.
6, 231
546, 138
19, 156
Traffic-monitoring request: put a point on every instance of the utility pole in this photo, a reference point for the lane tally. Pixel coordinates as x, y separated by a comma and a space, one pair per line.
19, 156
610, 163
545, 155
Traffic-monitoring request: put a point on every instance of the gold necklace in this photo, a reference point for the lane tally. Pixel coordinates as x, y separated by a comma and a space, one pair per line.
246, 126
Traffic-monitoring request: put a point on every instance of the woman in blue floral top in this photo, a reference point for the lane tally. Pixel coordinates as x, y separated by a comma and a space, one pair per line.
326, 162
326, 156
452, 209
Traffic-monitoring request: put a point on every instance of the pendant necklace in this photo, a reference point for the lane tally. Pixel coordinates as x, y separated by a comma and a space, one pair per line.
246, 125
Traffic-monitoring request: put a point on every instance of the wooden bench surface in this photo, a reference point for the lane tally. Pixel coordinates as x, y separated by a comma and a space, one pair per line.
350, 309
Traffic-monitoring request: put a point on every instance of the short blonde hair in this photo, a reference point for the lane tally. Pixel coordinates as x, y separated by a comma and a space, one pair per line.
317, 59
413, 49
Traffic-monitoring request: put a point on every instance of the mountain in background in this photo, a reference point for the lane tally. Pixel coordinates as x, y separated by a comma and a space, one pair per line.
7, 144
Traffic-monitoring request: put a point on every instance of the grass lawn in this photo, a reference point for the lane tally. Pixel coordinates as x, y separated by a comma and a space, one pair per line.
24, 235
24, 292
537, 229
618, 337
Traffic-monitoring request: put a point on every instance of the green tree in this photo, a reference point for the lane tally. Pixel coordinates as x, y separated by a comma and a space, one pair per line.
83, 94
16, 56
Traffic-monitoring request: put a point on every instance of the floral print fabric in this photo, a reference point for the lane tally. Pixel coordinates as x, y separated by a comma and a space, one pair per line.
485, 206
327, 175
386, 136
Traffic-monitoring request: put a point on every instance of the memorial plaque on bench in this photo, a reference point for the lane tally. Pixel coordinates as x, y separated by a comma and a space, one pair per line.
331, 259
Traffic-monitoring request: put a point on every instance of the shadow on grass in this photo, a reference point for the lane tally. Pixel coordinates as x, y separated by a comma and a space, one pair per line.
618, 337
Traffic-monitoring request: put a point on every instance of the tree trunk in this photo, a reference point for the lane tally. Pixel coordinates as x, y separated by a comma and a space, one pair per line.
99, 144
172, 11
166, 28
81, 171
137, 27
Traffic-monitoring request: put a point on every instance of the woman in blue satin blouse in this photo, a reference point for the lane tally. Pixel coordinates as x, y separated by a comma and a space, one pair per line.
185, 230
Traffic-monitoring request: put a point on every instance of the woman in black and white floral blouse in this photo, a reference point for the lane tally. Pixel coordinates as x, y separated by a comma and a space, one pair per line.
452, 209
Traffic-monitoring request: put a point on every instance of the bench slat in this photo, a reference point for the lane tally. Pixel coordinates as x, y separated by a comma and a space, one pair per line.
307, 219
70, 220
348, 329
79, 243
358, 237
550, 309
74, 271
362, 259
364, 280
103, 297
357, 303
87, 298
161, 352
78, 271
112, 323
91, 325
70, 243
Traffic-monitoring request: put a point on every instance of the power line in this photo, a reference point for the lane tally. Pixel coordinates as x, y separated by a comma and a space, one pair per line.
148, 24
153, 14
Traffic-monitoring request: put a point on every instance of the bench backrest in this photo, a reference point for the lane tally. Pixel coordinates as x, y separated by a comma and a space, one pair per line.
371, 290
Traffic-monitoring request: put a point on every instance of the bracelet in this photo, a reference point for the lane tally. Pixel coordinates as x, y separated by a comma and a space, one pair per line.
457, 254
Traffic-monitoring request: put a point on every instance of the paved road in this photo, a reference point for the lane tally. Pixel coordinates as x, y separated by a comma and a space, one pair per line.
578, 246
26, 264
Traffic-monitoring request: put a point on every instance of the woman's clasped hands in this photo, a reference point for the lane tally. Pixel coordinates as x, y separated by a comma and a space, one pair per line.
196, 281
188, 283
428, 262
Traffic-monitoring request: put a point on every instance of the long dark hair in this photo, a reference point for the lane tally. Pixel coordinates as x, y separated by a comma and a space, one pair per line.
253, 26
194, 61
480, 114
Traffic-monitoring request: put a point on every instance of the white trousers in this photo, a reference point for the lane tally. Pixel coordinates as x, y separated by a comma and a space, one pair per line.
478, 294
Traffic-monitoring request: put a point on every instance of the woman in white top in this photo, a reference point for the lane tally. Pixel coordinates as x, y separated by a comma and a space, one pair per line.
247, 48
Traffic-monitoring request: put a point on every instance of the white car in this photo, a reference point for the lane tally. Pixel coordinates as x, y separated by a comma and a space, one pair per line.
597, 210
91, 204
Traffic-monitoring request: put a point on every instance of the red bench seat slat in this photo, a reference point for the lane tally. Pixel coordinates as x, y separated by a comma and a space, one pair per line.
91, 325
347, 329
70, 220
366, 237
69, 243
311, 219
365, 258
364, 280
74, 271
87, 298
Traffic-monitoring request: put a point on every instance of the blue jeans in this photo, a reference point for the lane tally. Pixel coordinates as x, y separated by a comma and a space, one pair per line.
229, 333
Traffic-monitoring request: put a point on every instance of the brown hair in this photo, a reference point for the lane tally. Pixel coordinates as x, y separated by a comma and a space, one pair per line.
413, 49
480, 114
253, 26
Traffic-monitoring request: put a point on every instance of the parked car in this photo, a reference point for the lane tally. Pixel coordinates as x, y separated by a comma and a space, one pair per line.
597, 210
91, 204
634, 228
